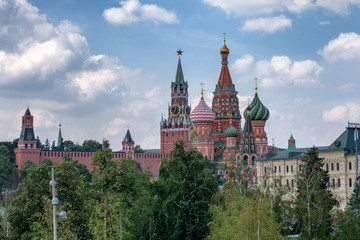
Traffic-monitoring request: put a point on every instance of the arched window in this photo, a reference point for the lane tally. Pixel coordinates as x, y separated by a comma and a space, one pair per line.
253, 160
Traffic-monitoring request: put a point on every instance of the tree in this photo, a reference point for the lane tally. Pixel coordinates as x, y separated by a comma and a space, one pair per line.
239, 213
7, 169
26, 169
138, 149
47, 145
314, 200
182, 192
347, 226
122, 199
82, 169
91, 146
354, 202
30, 215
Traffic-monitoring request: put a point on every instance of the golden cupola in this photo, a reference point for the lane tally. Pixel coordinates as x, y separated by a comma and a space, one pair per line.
224, 49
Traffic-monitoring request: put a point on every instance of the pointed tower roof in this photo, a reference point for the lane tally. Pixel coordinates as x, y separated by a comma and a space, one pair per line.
60, 139
247, 126
128, 137
225, 82
179, 77
291, 137
27, 112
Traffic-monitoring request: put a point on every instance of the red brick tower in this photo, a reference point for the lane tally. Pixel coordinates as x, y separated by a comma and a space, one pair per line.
128, 145
259, 115
177, 125
203, 117
225, 104
26, 149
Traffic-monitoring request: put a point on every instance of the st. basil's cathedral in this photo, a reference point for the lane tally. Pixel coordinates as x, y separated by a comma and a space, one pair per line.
215, 132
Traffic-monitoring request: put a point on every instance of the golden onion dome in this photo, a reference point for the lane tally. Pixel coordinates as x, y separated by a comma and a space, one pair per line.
224, 49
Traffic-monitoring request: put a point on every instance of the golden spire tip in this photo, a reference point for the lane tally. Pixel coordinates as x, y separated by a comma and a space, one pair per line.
202, 90
256, 88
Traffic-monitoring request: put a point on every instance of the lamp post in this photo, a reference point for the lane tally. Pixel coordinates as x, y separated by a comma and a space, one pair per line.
55, 202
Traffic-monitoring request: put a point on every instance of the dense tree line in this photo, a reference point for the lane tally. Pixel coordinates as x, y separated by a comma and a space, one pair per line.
119, 200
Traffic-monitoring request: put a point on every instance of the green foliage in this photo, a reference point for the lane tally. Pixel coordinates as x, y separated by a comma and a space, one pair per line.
314, 200
122, 204
354, 202
91, 146
25, 170
30, 215
138, 149
82, 169
7, 169
183, 190
242, 214
347, 226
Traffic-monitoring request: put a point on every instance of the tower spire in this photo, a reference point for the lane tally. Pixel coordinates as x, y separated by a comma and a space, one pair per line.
60, 139
202, 90
179, 78
256, 88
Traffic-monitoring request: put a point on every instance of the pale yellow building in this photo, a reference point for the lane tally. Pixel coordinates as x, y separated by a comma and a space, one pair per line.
339, 161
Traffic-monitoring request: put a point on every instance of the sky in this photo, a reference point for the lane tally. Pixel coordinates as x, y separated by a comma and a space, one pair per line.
102, 67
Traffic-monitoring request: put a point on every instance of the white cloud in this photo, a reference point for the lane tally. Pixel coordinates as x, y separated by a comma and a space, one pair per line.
269, 25
348, 112
302, 101
242, 64
246, 8
132, 11
323, 23
280, 71
345, 47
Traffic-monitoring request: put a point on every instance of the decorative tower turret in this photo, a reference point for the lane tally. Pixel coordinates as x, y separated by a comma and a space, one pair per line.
291, 142
203, 117
27, 143
259, 115
128, 145
177, 125
225, 104
230, 152
248, 154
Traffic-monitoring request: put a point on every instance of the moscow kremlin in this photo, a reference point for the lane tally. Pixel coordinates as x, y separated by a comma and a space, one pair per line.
215, 132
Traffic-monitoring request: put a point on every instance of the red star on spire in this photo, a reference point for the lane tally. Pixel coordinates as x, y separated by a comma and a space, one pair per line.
179, 52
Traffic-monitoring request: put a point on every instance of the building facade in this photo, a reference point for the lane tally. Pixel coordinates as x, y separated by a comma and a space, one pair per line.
339, 161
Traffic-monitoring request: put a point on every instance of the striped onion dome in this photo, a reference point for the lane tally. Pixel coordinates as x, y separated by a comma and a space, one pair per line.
231, 131
202, 113
258, 111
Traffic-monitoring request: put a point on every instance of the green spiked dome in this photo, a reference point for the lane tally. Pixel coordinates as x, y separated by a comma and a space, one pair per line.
258, 111
231, 131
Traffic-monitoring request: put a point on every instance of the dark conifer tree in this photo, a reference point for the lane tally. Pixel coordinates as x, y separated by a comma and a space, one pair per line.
314, 199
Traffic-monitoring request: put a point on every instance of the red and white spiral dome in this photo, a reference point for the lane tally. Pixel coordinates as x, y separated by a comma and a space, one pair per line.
202, 113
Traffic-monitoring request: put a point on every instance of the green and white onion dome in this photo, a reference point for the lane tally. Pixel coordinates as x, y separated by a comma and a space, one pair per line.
258, 111
231, 131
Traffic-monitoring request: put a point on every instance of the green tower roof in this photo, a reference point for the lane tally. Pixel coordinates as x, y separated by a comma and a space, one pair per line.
231, 131
258, 110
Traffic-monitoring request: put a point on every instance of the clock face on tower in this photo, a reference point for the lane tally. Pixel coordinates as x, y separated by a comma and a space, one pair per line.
187, 110
175, 110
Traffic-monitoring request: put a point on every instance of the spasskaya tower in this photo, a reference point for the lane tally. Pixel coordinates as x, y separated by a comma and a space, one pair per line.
177, 125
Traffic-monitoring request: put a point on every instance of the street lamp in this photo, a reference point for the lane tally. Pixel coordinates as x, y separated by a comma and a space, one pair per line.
55, 202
